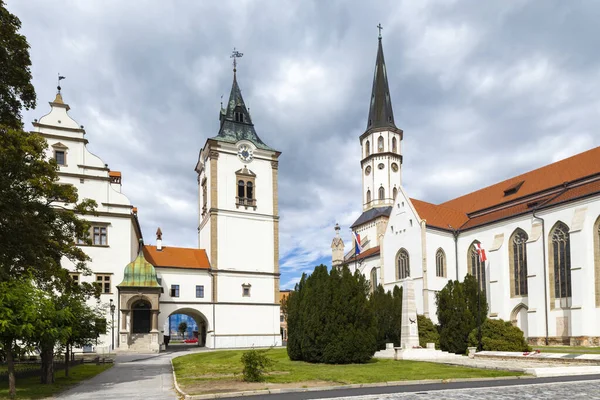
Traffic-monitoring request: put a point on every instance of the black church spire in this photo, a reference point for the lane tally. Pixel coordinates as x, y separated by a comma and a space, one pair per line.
381, 114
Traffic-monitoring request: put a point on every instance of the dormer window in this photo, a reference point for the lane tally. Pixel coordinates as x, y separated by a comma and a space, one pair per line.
238, 116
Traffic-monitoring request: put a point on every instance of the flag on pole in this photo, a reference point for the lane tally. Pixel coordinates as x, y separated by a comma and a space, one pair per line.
481, 253
357, 247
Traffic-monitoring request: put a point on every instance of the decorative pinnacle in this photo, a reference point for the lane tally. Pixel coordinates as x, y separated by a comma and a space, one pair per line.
380, 29
235, 55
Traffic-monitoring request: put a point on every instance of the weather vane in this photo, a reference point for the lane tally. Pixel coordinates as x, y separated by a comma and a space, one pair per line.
235, 55
380, 29
60, 78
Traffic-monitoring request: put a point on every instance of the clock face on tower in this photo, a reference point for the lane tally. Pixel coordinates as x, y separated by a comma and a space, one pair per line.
245, 153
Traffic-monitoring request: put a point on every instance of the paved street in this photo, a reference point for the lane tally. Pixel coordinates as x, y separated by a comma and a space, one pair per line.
568, 390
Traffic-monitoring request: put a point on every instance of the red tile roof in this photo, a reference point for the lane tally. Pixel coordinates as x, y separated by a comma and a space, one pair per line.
177, 257
373, 251
542, 187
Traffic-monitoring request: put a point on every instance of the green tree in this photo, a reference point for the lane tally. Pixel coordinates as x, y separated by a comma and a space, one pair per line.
182, 328
39, 218
396, 315
457, 306
16, 90
388, 315
18, 314
499, 335
330, 318
428, 332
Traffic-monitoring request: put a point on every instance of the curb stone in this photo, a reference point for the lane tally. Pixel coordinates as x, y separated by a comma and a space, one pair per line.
326, 388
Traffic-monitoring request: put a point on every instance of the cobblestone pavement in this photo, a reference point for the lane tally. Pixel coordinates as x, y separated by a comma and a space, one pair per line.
546, 391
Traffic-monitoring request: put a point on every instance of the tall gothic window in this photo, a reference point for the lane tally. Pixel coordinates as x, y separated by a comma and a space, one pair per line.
402, 265
476, 267
249, 191
373, 279
381, 193
367, 148
440, 263
561, 260
394, 145
518, 263
368, 196
380, 144
394, 192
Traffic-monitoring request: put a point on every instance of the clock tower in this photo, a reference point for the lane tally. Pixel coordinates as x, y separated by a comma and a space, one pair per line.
238, 222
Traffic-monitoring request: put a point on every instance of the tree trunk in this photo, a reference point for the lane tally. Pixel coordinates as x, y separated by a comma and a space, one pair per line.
47, 375
67, 359
10, 363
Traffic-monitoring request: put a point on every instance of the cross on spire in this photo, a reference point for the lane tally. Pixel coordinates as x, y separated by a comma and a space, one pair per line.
380, 29
235, 55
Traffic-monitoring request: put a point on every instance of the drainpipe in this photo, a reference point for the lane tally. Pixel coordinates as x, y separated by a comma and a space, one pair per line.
212, 288
544, 255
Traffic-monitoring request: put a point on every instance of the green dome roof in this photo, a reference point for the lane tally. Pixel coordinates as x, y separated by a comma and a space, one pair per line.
140, 273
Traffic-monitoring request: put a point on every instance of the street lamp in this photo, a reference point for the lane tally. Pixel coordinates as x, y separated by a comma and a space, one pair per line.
112, 324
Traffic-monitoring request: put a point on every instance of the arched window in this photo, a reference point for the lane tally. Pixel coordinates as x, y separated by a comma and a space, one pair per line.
241, 190
518, 263
380, 144
394, 145
368, 196
249, 191
597, 259
476, 267
560, 257
373, 279
367, 148
395, 192
381, 193
402, 265
440, 263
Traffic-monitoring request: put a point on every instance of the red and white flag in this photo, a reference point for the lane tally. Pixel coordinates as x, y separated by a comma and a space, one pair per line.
481, 252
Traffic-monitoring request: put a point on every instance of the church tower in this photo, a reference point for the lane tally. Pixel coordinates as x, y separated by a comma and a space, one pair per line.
238, 225
381, 158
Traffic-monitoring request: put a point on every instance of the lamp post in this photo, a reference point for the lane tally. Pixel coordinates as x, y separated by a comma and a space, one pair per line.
112, 323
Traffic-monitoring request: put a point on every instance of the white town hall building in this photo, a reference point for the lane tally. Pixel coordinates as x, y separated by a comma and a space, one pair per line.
230, 289
540, 230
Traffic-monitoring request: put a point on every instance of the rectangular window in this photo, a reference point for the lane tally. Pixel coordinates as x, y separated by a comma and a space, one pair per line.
174, 290
246, 290
100, 237
200, 291
75, 278
59, 156
103, 281
281, 318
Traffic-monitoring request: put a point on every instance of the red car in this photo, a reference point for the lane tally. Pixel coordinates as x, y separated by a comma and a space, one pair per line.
192, 340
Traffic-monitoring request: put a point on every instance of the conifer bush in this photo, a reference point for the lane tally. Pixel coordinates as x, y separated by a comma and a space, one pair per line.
457, 310
499, 335
330, 318
428, 332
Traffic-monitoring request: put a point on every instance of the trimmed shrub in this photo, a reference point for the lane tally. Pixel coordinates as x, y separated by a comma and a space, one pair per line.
388, 316
499, 335
255, 364
330, 319
458, 305
428, 332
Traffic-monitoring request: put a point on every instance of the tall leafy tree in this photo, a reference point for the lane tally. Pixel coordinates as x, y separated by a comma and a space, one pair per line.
39, 218
16, 90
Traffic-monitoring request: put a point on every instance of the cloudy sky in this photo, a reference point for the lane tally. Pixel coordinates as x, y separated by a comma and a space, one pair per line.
483, 90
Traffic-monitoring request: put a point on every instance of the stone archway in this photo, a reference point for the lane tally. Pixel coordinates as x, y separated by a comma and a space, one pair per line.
201, 322
518, 317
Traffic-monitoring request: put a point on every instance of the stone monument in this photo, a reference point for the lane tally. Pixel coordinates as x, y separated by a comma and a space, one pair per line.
409, 336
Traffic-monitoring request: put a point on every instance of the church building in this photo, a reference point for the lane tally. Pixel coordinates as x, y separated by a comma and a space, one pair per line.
532, 241
226, 285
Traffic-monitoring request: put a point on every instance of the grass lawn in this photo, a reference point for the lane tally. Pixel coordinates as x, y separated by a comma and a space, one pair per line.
31, 388
568, 349
221, 372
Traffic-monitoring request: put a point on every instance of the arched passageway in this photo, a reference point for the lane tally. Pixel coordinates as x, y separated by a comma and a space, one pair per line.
200, 320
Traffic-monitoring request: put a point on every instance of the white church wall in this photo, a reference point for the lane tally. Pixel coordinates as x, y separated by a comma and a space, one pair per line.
230, 288
247, 325
438, 240
403, 231
187, 279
